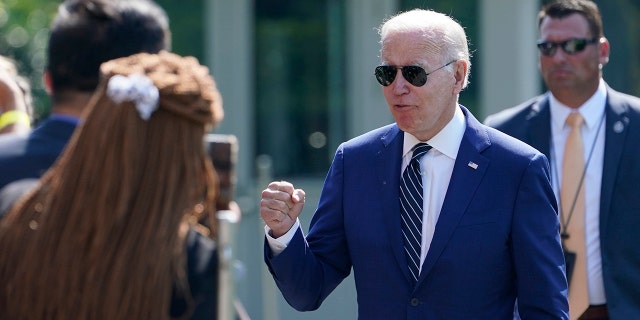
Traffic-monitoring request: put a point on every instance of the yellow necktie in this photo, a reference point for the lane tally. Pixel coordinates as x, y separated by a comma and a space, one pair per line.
572, 199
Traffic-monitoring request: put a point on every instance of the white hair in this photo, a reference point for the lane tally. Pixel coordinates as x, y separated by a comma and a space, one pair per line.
436, 27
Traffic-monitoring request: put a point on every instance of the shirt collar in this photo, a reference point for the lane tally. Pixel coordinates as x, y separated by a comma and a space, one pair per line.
65, 118
447, 141
592, 110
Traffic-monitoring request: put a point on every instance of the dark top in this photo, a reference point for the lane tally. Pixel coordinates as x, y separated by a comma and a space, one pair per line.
29, 156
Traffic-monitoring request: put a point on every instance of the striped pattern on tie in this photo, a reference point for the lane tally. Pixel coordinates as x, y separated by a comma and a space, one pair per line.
411, 208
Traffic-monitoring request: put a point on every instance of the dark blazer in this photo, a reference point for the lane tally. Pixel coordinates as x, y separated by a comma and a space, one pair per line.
202, 271
29, 156
619, 193
202, 263
496, 238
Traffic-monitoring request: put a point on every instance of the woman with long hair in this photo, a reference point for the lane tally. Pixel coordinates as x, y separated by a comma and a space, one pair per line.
102, 236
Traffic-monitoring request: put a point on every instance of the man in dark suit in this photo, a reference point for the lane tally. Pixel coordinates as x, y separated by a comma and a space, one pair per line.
573, 51
486, 234
83, 35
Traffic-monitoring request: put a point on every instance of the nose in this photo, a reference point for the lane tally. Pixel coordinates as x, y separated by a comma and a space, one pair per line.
558, 54
400, 84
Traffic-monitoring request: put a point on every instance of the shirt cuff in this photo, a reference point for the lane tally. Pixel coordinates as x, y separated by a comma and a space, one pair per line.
278, 245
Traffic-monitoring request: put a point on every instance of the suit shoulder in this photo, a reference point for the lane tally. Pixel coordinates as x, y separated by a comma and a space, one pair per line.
385, 133
515, 114
622, 98
503, 143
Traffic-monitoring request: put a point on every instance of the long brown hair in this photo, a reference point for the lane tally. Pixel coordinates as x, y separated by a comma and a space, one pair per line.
101, 237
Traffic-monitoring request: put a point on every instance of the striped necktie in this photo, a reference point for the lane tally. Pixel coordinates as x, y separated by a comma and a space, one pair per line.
411, 208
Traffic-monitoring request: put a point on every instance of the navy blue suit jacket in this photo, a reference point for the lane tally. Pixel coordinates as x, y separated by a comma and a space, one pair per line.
29, 156
496, 238
619, 192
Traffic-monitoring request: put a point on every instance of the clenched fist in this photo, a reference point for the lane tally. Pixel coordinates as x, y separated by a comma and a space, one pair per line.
280, 206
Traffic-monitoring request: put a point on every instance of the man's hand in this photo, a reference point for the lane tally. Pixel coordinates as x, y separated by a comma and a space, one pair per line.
280, 206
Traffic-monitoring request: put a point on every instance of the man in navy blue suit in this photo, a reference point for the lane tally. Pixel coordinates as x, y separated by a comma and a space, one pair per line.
490, 233
83, 35
573, 51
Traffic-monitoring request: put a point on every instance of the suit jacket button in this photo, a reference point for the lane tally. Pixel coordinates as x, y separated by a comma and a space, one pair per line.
414, 302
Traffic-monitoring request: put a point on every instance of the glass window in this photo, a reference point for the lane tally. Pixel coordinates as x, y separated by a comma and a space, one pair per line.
299, 83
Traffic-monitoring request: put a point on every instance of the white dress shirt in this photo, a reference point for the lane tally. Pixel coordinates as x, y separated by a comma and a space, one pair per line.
593, 132
436, 167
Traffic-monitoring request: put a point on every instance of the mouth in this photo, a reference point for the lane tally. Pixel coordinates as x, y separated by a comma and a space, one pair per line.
560, 72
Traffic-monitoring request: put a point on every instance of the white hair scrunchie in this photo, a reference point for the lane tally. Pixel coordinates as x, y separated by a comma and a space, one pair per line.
136, 88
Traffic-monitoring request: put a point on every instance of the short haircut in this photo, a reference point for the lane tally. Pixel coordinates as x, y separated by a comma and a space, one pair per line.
86, 33
559, 9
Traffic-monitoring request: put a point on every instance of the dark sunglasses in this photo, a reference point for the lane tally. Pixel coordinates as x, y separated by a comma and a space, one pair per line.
415, 75
571, 46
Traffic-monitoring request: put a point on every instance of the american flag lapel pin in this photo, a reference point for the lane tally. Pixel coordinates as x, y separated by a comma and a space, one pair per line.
473, 165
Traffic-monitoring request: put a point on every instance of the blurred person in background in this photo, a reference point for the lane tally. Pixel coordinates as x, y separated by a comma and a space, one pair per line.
598, 191
84, 34
16, 108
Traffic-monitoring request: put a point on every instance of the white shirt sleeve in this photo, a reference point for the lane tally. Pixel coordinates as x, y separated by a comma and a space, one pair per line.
278, 245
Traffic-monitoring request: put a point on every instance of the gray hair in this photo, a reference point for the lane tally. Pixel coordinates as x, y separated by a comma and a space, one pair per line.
438, 28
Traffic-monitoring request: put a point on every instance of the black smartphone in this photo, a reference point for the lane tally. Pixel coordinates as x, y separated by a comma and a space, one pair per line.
570, 262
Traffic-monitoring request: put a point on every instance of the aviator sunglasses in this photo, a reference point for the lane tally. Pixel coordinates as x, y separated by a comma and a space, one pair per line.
571, 46
415, 75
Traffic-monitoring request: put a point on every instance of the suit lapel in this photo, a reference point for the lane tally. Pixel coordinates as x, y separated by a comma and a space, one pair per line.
388, 171
469, 168
615, 136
